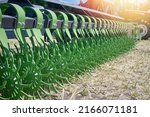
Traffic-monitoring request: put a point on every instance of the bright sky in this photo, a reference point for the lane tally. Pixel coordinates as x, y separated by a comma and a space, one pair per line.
78, 1
73, 1
129, 2
139, 1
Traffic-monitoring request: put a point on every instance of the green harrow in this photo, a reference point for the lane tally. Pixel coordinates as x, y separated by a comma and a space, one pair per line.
36, 70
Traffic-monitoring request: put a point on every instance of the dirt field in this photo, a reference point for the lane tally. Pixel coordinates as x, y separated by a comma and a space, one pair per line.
126, 77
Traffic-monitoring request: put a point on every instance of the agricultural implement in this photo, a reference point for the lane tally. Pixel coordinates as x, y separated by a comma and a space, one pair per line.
46, 45
143, 19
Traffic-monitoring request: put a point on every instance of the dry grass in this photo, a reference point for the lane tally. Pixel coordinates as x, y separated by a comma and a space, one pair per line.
126, 77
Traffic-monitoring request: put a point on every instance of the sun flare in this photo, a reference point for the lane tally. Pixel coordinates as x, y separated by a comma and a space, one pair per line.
137, 1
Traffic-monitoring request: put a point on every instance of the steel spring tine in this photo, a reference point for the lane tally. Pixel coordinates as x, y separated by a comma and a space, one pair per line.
3, 85
57, 82
54, 88
45, 75
26, 95
2, 98
46, 83
45, 92
39, 95
13, 83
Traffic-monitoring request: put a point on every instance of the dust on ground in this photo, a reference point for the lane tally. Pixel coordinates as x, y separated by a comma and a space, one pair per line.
124, 78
